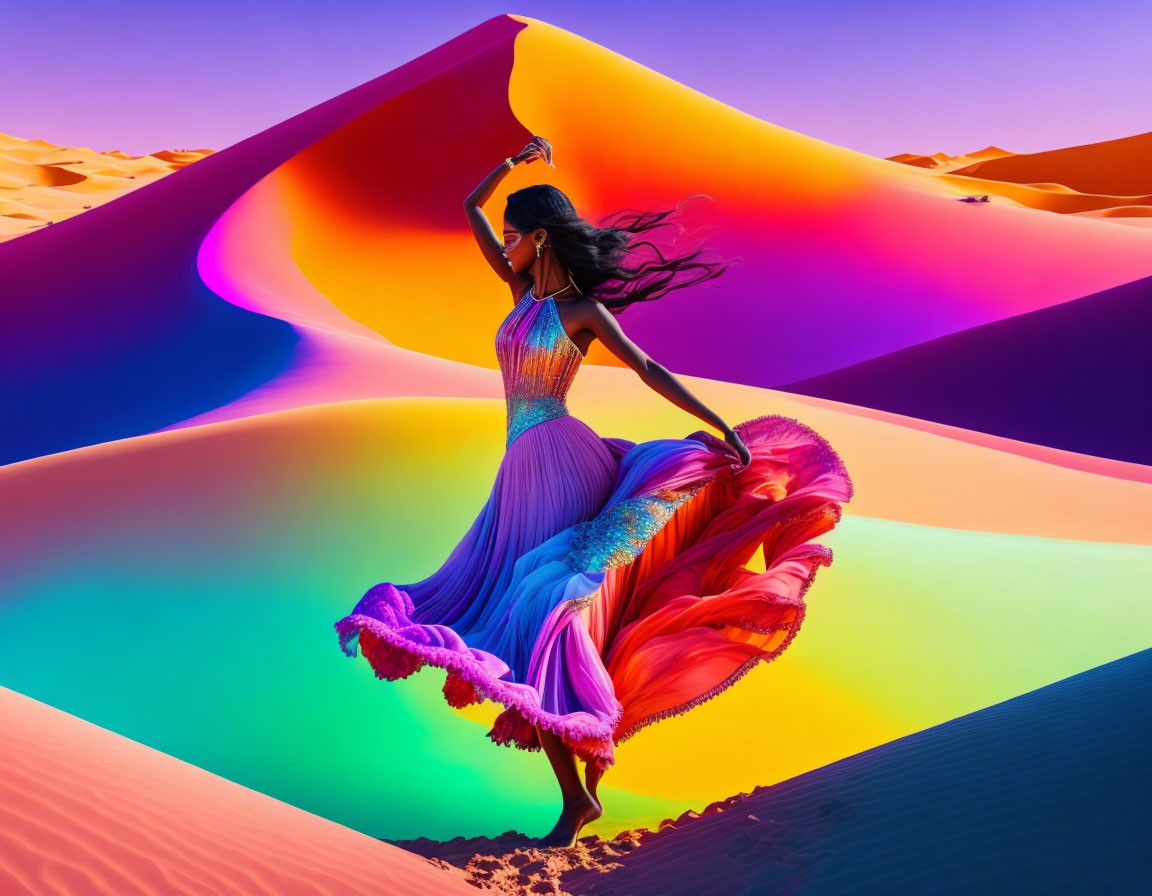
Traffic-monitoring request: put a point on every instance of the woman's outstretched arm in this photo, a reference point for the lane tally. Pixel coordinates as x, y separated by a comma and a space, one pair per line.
607, 329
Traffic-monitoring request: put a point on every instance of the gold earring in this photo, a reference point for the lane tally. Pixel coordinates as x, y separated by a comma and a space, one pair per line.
538, 245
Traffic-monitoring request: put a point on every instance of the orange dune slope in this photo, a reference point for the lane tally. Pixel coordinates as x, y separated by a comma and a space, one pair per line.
85, 810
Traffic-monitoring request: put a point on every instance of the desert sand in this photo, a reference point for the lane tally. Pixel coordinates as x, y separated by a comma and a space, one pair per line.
88, 811
42, 184
1025, 796
1109, 179
85, 810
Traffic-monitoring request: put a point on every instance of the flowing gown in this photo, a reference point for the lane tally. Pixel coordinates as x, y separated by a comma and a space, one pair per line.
603, 585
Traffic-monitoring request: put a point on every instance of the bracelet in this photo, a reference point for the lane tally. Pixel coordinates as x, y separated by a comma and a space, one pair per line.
508, 161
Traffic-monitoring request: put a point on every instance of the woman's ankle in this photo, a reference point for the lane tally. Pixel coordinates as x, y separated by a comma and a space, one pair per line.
583, 798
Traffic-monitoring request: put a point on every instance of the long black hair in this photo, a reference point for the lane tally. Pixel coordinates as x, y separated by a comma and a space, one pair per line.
594, 254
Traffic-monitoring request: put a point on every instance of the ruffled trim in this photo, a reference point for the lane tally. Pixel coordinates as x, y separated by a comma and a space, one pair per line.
828, 456
768, 428
512, 729
835, 486
823, 557
393, 656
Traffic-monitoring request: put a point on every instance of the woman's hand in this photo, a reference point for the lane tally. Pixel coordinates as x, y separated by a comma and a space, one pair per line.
738, 445
538, 148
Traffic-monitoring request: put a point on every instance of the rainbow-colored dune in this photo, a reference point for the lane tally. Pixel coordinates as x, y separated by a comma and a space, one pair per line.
251, 389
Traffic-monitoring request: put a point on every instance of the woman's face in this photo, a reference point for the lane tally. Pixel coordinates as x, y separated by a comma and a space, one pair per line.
518, 249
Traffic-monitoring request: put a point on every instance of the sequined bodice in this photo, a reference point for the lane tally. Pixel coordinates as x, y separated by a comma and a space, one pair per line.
538, 361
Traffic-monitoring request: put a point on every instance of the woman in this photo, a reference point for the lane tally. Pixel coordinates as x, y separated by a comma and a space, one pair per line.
603, 585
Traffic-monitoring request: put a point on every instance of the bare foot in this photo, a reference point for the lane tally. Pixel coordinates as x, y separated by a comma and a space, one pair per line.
572, 819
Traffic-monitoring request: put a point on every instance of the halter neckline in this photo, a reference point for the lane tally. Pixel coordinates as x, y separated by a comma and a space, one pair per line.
531, 292
528, 293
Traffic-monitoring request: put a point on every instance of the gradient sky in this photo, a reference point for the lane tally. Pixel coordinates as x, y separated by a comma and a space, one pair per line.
879, 77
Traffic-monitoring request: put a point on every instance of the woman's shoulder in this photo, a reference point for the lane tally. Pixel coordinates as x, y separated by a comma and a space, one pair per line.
587, 302
582, 311
587, 307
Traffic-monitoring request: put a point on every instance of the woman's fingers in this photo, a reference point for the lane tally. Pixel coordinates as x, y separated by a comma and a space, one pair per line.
539, 148
544, 146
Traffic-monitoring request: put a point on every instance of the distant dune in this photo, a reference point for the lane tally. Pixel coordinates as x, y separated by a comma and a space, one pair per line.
941, 161
42, 184
1111, 179
1117, 167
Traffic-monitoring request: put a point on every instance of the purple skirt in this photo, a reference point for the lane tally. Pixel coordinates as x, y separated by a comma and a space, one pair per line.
602, 585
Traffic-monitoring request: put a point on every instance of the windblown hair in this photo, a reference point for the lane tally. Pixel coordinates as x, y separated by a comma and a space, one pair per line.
595, 255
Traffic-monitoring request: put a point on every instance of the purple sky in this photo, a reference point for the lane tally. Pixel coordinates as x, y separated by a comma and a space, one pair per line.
879, 77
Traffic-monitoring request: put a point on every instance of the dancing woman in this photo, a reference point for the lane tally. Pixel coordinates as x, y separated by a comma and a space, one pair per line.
603, 585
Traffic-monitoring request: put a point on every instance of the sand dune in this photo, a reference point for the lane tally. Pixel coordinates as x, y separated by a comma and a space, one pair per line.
941, 161
90, 811
42, 184
1109, 179
232, 287
1113, 167
85, 810
1058, 376
1045, 793
255, 383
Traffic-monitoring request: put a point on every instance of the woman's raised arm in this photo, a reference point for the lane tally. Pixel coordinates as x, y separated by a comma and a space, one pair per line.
490, 244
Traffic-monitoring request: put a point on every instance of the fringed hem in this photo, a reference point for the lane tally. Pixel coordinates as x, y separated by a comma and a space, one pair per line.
511, 729
392, 657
